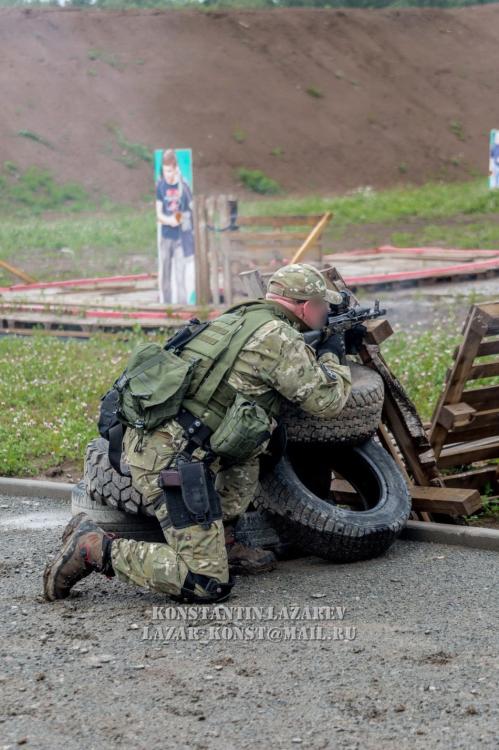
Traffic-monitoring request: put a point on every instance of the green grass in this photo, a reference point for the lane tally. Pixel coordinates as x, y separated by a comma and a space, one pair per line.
50, 389
131, 154
30, 135
484, 234
35, 190
433, 200
257, 181
314, 92
106, 57
80, 245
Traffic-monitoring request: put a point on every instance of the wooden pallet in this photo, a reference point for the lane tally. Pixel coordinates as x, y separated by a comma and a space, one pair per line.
465, 425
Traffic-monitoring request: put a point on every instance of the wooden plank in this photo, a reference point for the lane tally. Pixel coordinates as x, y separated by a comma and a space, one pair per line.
456, 415
488, 347
482, 398
306, 220
212, 251
487, 370
378, 330
224, 220
475, 479
400, 414
475, 328
201, 252
485, 424
469, 453
17, 272
449, 500
312, 237
258, 237
253, 284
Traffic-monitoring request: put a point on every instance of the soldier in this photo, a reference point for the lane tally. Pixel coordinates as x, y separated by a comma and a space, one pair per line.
265, 361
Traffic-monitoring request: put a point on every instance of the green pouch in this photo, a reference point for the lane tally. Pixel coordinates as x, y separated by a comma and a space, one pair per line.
153, 386
245, 426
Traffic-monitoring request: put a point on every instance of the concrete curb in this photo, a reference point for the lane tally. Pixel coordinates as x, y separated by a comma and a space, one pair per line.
36, 488
445, 533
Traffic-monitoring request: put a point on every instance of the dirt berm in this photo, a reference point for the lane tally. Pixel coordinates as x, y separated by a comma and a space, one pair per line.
342, 98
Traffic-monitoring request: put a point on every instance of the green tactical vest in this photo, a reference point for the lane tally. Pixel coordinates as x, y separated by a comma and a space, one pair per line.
216, 349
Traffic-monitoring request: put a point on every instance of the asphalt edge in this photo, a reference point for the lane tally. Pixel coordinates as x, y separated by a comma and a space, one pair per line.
36, 488
445, 533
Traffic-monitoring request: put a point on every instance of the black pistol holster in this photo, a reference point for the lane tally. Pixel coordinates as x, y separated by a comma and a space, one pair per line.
189, 494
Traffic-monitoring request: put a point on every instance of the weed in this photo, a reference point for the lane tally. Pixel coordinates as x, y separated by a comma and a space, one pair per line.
314, 92
257, 181
105, 57
239, 135
34, 137
456, 127
131, 153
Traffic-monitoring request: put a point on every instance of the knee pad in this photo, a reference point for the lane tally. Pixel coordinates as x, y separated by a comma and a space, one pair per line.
213, 590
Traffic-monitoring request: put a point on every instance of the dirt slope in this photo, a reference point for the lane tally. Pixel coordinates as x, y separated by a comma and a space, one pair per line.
407, 95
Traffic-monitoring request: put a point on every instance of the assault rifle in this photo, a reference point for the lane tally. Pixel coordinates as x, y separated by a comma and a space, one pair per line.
341, 318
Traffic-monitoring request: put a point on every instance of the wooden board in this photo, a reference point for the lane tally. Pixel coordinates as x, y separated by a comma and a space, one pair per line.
448, 500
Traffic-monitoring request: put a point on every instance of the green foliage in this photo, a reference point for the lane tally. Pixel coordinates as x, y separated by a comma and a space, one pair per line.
420, 356
433, 200
257, 181
314, 92
456, 127
131, 153
239, 135
30, 135
36, 190
80, 245
277, 151
105, 57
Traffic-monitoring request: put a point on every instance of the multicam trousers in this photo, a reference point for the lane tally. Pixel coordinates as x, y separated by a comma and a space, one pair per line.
164, 567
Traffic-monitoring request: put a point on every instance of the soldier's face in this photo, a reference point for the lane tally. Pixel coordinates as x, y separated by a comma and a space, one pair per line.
315, 313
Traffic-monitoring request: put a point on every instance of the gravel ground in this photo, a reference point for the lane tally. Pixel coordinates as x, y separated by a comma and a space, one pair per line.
420, 672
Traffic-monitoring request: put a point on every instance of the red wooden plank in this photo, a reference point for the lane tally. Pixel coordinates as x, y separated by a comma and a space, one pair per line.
78, 282
438, 271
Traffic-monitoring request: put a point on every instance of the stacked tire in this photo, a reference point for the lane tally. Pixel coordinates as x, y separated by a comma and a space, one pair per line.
295, 507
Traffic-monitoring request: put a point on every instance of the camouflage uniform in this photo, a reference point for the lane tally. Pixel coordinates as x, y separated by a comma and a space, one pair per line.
275, 358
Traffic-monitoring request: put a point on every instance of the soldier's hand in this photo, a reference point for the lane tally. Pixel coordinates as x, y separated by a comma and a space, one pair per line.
334, 345
354, 338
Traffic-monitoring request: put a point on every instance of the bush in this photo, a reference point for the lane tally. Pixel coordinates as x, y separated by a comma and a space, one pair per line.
258, 181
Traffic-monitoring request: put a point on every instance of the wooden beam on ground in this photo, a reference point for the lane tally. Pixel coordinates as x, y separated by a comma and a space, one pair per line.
17, 272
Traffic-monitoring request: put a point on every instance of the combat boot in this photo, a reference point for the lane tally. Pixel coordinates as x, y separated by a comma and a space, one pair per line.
246, 560
86, 549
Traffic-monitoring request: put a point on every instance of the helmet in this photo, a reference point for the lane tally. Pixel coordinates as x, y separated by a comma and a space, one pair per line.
301, 281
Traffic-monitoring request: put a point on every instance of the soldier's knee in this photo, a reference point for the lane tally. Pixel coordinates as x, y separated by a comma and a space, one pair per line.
203, 589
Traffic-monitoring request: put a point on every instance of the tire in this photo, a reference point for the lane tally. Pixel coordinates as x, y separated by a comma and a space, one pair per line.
105, 486
254, 529
355, 424
125, 525
293, 496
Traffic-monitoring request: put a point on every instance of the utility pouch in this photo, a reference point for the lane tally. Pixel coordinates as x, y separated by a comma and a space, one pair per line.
245, 426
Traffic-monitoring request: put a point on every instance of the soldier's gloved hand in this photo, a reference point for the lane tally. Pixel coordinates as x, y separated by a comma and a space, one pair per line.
354, 338
333, 345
